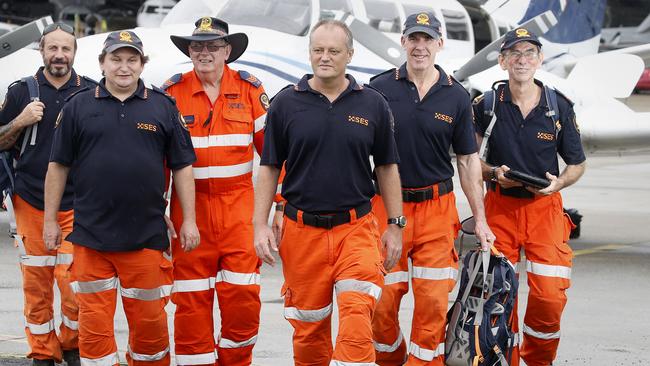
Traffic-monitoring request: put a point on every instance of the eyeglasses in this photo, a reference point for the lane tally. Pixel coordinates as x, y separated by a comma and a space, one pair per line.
528, 54
58, 25
212, 47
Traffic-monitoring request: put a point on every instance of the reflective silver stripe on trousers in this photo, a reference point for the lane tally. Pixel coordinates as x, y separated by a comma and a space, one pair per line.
71, 324
396, 277
343, 363
201, 284
223, 171
426, 354
38, 260
380, 347
227, 343
200, 359
547, 336
44, 328
308, 315
109, 360
63, 258
142, 357
91, 287
425, 273
358, 286
548, 270
238, 278
147, 294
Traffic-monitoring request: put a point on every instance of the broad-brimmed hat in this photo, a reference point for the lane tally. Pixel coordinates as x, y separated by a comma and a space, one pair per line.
424, 22
519, 35
210, 29
118, 39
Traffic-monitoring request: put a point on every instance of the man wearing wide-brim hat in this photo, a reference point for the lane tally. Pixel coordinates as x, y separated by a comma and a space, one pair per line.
224, 110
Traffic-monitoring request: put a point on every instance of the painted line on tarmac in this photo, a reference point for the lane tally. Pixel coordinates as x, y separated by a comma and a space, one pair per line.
602, 248
12, 338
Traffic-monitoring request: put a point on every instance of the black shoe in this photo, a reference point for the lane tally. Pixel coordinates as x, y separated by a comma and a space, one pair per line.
36, 362
71, 357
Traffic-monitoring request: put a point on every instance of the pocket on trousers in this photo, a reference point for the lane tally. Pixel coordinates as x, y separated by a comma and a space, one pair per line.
568, 226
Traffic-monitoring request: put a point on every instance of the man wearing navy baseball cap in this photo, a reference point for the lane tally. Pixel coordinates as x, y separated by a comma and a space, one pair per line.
118, 137
432, 113
525, 125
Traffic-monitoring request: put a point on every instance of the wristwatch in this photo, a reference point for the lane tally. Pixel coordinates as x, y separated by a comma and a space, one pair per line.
399, 221
493, 174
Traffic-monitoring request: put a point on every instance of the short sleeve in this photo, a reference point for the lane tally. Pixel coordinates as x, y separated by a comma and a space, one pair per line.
384, 149
463, 137
478, 108
64, 142
180, 152
275, 145
569, 143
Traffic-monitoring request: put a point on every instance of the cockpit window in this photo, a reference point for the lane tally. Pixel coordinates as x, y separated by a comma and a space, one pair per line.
287, 16
329, 7
383, 15
456, 25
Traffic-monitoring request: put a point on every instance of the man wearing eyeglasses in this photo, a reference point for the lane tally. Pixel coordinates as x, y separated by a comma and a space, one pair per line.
28, 120
527, 136
224, 110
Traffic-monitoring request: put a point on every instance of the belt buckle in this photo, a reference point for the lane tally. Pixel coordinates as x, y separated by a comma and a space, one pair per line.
324, 221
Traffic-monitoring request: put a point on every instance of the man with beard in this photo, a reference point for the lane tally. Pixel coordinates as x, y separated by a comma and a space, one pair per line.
27, 126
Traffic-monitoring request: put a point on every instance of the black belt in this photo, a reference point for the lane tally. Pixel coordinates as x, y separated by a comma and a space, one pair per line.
326, 221
423, 194
516, 192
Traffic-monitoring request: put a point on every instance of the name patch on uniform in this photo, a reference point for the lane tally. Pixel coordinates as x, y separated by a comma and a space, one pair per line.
359, 120
236, 105
444, 117
232, 96
545, 136
146, 126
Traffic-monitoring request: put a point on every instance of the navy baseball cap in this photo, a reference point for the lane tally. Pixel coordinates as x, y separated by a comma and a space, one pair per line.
118, 39
424, 22
519, 35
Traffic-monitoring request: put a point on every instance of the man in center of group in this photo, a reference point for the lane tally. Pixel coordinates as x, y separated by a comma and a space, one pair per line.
432, 112
225, 111
325, 128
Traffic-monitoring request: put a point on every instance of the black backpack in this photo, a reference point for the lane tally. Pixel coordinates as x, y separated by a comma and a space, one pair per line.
479, 329
9, 157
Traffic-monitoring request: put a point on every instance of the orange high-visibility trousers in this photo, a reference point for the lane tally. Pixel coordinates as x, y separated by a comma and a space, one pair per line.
226, 261
315, 262
540, 227
40, 267
428, 242
144, 281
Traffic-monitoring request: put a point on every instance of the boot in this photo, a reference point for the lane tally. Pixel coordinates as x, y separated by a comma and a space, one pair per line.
36, 362
71, 357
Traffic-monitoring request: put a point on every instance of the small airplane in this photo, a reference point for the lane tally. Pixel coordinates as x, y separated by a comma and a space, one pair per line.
278, 43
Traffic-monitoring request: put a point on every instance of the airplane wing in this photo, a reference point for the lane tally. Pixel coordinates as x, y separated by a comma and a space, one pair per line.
23, 36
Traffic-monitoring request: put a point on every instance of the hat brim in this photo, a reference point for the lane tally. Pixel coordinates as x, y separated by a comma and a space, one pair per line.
115, 47
422, 29
238, 42
515, 41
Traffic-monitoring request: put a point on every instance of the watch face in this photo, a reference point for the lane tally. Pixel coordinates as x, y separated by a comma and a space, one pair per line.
401, 221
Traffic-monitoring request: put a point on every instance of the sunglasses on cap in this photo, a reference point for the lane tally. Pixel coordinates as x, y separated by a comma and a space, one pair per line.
58, 25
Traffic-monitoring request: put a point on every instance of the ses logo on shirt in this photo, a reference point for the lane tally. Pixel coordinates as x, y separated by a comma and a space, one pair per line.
444, 117
146, 126
357, 119
545, 136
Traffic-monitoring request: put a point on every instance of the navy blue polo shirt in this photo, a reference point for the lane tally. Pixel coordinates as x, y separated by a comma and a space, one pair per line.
32, 164
327, 146
119, 151
425, 129
530, 145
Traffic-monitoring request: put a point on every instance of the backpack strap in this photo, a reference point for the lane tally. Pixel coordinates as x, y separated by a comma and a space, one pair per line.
553, 110
489, 103
34, 95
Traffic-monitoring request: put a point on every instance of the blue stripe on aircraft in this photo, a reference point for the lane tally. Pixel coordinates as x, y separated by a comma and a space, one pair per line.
288, 77
580, 20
